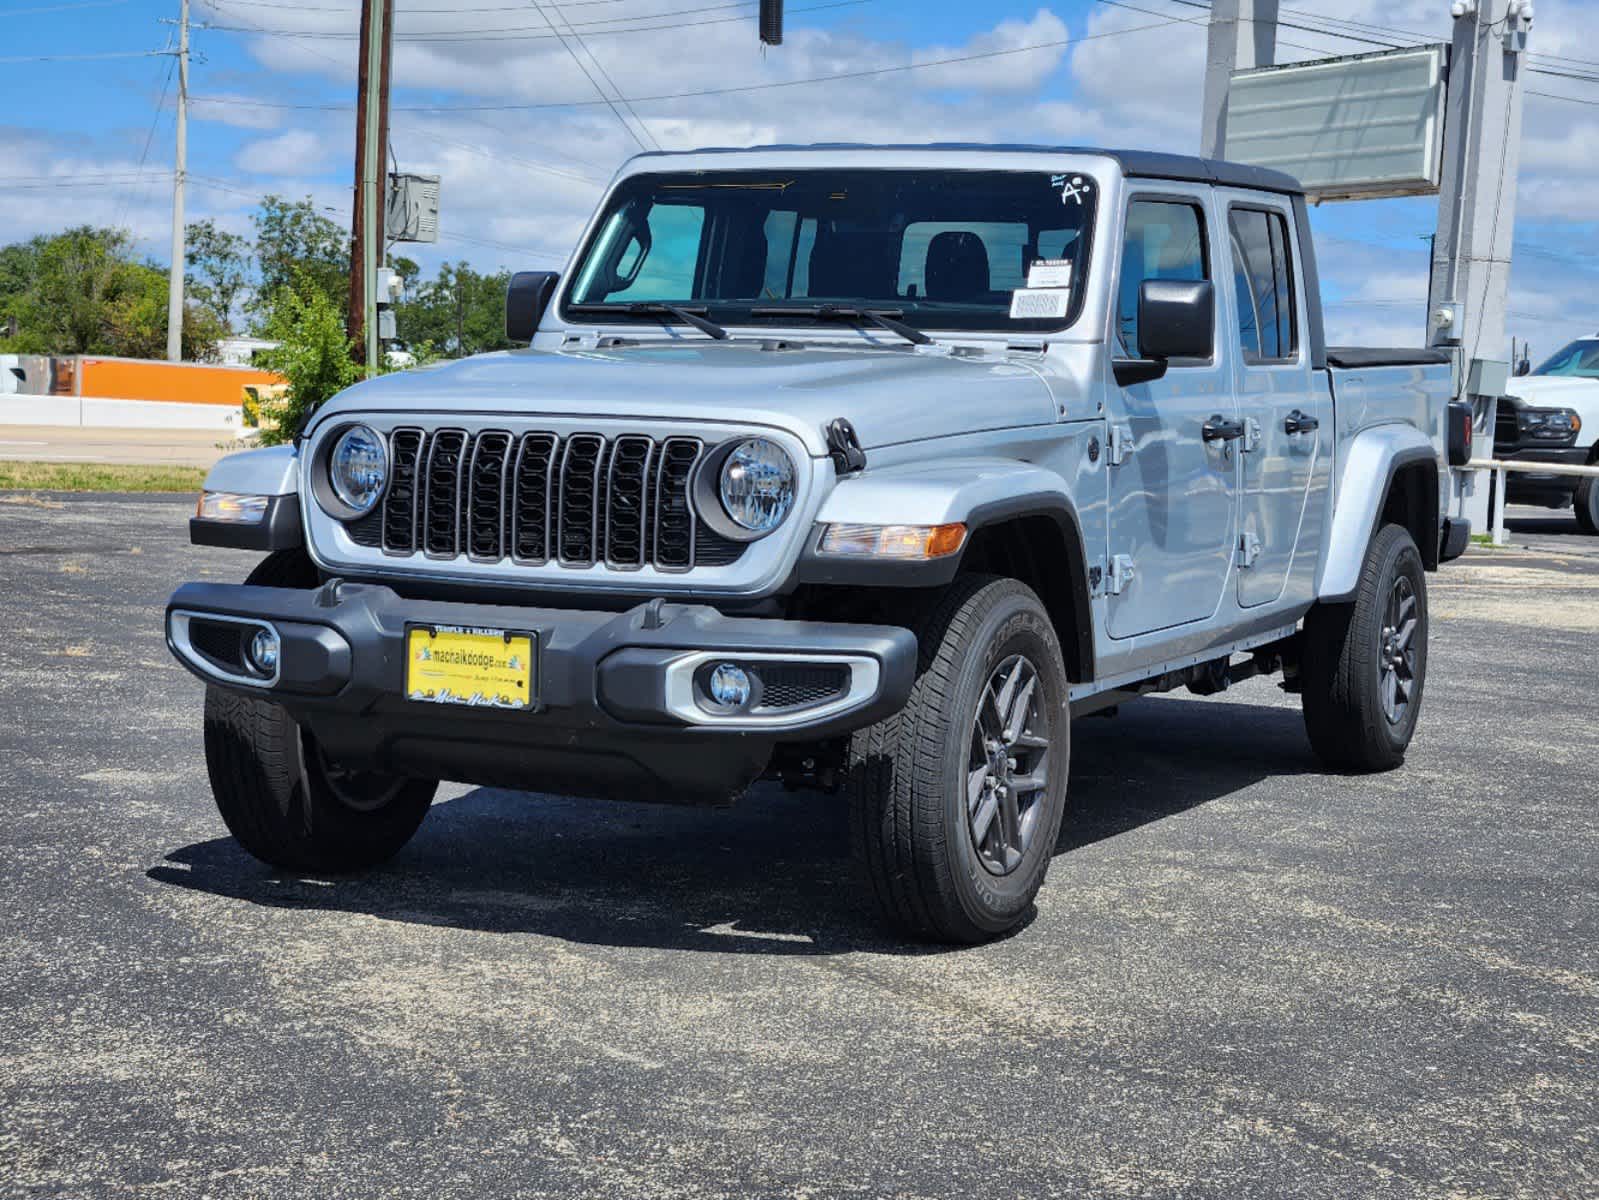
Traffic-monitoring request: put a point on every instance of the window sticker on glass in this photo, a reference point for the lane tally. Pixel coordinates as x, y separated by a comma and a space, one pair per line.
1036, 304
1050, 273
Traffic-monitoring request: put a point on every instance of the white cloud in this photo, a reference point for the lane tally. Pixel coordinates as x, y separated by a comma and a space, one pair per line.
292, 152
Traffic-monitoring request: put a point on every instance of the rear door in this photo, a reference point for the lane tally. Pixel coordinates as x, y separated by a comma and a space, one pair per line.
1288, 421
1173, 495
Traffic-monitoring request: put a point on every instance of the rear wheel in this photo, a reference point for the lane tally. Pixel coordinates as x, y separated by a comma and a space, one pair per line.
281, 797
1364, 665
957, 800
1586, 505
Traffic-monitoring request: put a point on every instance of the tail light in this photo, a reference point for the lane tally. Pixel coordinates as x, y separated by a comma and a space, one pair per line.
1460, 433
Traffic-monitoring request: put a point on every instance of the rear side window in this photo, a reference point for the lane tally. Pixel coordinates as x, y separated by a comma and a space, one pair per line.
1264, 283
1165, 240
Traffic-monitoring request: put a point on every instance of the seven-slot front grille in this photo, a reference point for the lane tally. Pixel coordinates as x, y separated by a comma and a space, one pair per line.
538, 498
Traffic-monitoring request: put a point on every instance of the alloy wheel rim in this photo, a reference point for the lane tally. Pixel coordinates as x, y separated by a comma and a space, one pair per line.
1007, 768
1396, 664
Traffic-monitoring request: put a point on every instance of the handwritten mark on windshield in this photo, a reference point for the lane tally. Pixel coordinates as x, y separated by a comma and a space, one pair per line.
1072, 187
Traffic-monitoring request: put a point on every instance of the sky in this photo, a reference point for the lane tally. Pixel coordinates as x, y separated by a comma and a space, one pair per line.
508, 114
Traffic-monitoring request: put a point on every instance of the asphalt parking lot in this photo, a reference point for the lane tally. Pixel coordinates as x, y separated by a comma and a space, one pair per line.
1246, 978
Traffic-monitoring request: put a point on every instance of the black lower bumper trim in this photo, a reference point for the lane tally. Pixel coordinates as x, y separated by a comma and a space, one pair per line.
634, 746
1456, 537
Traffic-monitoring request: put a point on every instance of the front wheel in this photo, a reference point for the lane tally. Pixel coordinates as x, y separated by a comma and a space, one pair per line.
280, 796
1365, 664
1586, 505
957, 800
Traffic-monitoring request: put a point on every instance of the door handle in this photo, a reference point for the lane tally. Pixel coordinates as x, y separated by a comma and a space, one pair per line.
1298, 422
1223, 429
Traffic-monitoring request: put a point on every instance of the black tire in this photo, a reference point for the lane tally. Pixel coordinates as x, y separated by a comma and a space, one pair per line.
1343, 672
911, 775
278, 795
1586, 505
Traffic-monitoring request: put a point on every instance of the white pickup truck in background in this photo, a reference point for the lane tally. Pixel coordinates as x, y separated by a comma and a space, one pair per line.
1552, 416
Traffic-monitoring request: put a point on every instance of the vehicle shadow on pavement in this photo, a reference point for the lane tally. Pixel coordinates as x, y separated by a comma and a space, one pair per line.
771, 875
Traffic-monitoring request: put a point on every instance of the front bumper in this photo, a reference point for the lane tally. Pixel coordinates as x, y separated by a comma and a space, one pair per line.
611, 720
1529, 487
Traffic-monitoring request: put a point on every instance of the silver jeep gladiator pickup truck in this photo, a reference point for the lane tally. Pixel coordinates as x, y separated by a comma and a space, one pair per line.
862, 468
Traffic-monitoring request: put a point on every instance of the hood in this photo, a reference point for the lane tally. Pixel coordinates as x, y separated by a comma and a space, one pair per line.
1558, 391
889, 394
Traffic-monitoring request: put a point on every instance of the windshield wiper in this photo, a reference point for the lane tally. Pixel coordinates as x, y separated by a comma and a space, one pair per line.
883, 318
655, 308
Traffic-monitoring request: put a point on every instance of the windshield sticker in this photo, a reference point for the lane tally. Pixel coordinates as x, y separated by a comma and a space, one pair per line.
1040, 304
1050, 273
1072, 187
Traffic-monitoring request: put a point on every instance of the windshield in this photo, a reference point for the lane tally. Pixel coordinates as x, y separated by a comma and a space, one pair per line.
1580, 359
957, 250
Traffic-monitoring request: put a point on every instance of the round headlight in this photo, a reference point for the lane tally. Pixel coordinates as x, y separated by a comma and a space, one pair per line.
358, 468
757, 485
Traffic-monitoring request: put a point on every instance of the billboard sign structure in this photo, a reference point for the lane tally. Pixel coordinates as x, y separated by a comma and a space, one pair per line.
412, 211
1355, 128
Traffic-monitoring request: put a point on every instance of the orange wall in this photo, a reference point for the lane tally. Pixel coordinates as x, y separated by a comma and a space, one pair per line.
186, 383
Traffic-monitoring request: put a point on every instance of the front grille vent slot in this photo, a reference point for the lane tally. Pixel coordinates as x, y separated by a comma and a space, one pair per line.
441, 527
535, 498
485, 492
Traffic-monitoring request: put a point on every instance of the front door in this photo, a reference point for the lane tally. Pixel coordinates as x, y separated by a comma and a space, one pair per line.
1173, 493
1290, 423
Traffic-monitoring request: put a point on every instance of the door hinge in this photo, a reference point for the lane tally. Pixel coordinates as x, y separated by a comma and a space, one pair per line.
1251, 435
1120, 574
1121, 444
1248, 549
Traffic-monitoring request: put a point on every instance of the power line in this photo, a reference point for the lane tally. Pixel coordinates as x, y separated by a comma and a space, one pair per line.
33, 58
149, 140
598, 90
516, 33
521, 8
728, 91
48, 8
1203, 24
600, 67
1567, 99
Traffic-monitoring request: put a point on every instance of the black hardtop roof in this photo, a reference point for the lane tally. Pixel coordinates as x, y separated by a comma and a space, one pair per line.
1136, 164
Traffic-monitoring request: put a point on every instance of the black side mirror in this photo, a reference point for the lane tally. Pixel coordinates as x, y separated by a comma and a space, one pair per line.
526, 300
1176, 318
1524, 367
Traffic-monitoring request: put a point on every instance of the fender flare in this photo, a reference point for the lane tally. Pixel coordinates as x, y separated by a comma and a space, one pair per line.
1370, 464
980, 493
271, 471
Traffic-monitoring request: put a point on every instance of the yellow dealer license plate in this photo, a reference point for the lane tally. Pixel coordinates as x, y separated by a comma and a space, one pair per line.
481, 668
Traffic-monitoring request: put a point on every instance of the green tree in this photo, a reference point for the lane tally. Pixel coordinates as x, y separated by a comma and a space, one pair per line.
84, 292
218, 264
313, 355
299, 248
461, 312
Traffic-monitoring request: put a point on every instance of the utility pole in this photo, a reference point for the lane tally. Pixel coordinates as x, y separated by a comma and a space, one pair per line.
1243, 36
175, 283
1469, 284
371, 153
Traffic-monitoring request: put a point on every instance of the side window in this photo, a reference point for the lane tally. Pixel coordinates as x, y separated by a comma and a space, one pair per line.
656, 263
1165, 240
1264, 281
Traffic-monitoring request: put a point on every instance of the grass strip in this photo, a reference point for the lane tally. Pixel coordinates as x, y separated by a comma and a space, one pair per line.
97, 477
